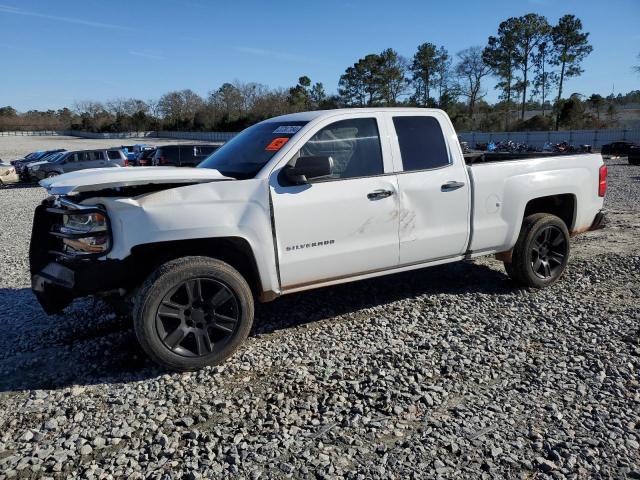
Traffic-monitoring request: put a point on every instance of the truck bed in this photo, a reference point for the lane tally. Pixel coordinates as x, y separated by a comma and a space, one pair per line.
504, 183
487, 157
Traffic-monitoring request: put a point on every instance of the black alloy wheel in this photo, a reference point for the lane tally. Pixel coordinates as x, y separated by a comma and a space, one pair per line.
541, 253
197, 317
548, 252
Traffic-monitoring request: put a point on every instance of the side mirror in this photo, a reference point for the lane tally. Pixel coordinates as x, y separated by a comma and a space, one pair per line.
308, 168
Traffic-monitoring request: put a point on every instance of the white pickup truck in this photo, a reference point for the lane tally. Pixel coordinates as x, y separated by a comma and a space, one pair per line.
299, 202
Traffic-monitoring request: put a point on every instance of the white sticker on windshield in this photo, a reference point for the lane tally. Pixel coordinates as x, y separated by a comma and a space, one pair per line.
287, 129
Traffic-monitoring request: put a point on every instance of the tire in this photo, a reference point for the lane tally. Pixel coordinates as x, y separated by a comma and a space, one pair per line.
192, 312
52, 174
541, 253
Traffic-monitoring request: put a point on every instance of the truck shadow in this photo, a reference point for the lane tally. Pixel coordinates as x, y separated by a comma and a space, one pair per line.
461, 278
16, 186
89, 344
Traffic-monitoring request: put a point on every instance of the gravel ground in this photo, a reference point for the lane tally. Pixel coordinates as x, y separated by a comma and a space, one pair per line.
15, 147
448, 372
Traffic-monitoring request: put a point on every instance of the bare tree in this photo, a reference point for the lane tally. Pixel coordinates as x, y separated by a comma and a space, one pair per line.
179, 108
470, 70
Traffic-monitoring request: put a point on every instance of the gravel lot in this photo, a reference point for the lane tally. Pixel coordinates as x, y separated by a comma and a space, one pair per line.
449, 372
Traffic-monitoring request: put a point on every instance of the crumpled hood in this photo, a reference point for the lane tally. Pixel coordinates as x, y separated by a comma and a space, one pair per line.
33, 164
95, 179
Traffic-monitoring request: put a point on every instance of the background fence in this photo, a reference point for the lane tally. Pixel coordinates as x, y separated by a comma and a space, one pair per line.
81, 134
35, 133
206, 136
202, 136
595, 138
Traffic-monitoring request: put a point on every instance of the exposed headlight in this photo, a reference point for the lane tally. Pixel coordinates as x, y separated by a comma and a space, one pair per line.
85, 233
85, 223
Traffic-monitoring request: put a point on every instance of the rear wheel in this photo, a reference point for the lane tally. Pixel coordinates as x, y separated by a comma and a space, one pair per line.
193, 312
541, 253
52, 174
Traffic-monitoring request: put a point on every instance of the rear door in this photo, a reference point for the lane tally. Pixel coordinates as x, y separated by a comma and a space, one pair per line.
345, 224
434, 190
97, 159
74, 162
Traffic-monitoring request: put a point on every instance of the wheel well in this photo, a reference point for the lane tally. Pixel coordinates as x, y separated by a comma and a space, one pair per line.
562, 206
235, 251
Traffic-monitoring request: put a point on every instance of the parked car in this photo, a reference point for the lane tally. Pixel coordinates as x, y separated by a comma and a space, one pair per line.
78, 160
133, 151
8, 174
299, 202
145, 157
634, 156
30, 156
617, 148
182, 155
22, 165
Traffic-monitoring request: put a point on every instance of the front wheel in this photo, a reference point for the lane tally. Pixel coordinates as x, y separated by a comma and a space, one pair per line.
541, 253
192, 312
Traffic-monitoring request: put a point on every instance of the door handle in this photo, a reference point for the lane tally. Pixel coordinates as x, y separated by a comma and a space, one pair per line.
450, 186
378, 194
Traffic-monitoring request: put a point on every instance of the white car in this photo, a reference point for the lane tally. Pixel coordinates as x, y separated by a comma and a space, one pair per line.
299, 202
8, 174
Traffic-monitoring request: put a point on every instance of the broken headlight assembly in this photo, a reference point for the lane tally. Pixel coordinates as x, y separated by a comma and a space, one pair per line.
84, 231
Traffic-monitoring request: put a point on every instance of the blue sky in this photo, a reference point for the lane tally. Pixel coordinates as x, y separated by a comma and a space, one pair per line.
55, 52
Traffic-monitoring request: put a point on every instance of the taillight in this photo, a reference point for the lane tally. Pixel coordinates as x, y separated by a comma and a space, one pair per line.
126, 162
602, 181
161, 160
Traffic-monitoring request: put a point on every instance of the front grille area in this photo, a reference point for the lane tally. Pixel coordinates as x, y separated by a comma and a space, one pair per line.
52, 241
42, 242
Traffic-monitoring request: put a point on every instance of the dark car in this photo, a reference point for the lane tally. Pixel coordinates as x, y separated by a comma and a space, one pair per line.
634, 155
30, 156
22, 165
144, 158
79, 160
617, 148
182, 155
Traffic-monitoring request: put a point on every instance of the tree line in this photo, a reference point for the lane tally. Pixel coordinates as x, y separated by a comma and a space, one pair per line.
530, 59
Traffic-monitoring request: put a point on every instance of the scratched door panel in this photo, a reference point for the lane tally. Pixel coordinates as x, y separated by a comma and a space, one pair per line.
332, 229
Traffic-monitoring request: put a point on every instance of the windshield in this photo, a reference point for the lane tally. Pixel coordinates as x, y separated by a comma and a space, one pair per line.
245, 154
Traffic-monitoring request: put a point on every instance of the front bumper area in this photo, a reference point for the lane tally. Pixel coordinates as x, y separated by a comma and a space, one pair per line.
57, 284
53, 287
57, 275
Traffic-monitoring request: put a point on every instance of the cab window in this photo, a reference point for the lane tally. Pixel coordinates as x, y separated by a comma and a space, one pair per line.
354, 146
421, 142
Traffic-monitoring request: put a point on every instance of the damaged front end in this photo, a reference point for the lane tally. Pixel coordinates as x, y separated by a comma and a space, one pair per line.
65, 238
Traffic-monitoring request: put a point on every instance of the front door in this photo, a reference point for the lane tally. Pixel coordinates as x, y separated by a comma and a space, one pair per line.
344, 224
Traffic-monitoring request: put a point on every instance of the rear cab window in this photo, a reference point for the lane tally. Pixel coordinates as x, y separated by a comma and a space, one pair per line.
421, 142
